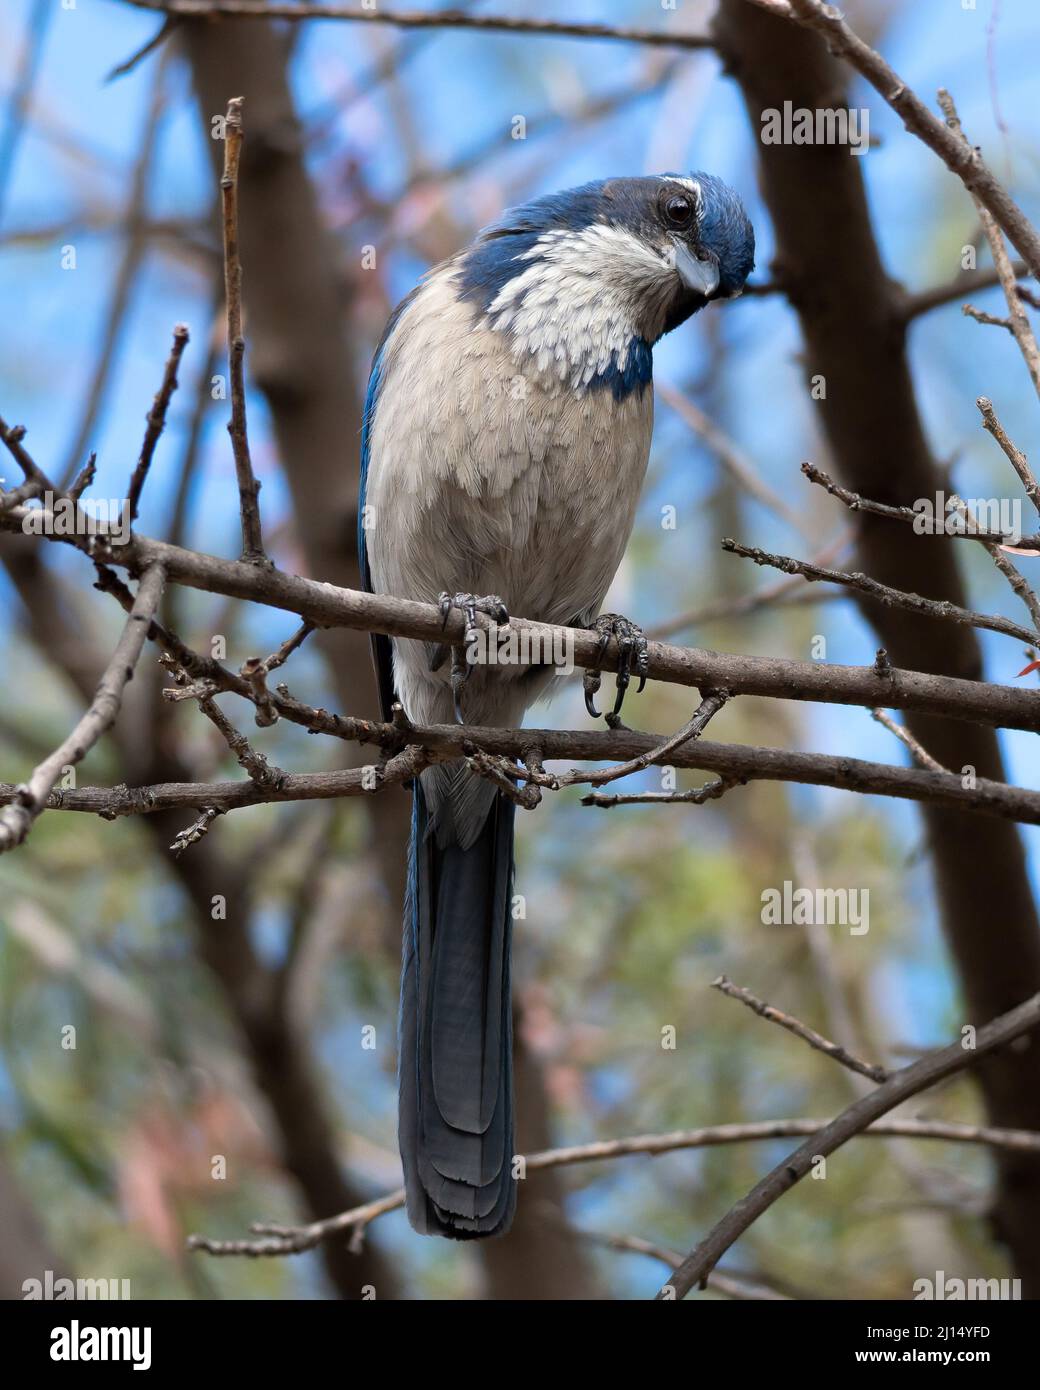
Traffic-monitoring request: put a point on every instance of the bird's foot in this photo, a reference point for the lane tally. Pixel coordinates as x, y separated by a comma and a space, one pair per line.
632, 659
470, 605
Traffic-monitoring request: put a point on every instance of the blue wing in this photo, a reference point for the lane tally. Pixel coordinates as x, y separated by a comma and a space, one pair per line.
381, 648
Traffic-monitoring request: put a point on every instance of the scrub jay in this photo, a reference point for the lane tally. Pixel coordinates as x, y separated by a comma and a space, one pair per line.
506, 435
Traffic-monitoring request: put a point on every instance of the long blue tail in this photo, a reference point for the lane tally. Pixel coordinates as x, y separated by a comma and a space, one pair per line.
455, 1117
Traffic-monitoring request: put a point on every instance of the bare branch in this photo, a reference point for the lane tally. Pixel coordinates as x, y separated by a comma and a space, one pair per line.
1017, 322
916, 303
884, 593
325, 605
920, 755
959, 157
910, 1081
156, 419
980, 316
733, 762
255, 764
420, 19
856, 502
165, 30
248, 487
30, 798
729, 1285
193, 833
293, 1240
697, 796
800, 1030
1014, 455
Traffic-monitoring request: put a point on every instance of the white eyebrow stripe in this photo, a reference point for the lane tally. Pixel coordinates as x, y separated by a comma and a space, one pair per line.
690, 184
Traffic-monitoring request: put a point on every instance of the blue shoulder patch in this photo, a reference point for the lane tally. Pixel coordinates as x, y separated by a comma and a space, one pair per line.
495, 257
490, 265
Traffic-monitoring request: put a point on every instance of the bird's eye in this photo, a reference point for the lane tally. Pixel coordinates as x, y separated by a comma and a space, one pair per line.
678, 210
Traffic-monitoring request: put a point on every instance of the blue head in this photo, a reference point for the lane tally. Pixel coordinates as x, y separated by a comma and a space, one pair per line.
589, 278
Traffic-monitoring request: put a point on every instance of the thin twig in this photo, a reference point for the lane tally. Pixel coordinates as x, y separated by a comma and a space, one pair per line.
248, 486
193, 833
696, 796
165, 30
920, 755
785, 593
255, 671
255, 764
1017, 321
858, 503
30, 798
884, 593
742, 1287
1013, 454
156, 420
915, 303
709, 706
801, 1030
980, 316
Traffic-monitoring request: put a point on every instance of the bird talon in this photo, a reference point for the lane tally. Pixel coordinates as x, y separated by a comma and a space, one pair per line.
632, 657
591, 682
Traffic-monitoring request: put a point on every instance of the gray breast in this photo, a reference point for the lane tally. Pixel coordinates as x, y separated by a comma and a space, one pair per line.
490, 475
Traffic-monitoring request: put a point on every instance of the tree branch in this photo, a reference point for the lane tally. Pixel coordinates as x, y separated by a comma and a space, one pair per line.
419, 19
156, 423
884, 593
248, 487
29, 799
800, 1030
958, 156
293, 1240
325, 605
733, 762
856, 1119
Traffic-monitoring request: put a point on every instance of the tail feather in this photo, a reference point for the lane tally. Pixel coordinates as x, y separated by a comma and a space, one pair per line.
456, 1102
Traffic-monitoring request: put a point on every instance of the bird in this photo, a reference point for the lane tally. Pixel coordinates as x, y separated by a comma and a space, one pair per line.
505, 438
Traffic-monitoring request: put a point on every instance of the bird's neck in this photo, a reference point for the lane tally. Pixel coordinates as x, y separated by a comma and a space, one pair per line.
585, 309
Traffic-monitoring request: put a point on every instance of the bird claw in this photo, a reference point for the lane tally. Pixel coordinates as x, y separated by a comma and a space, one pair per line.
632, 658
470, 605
